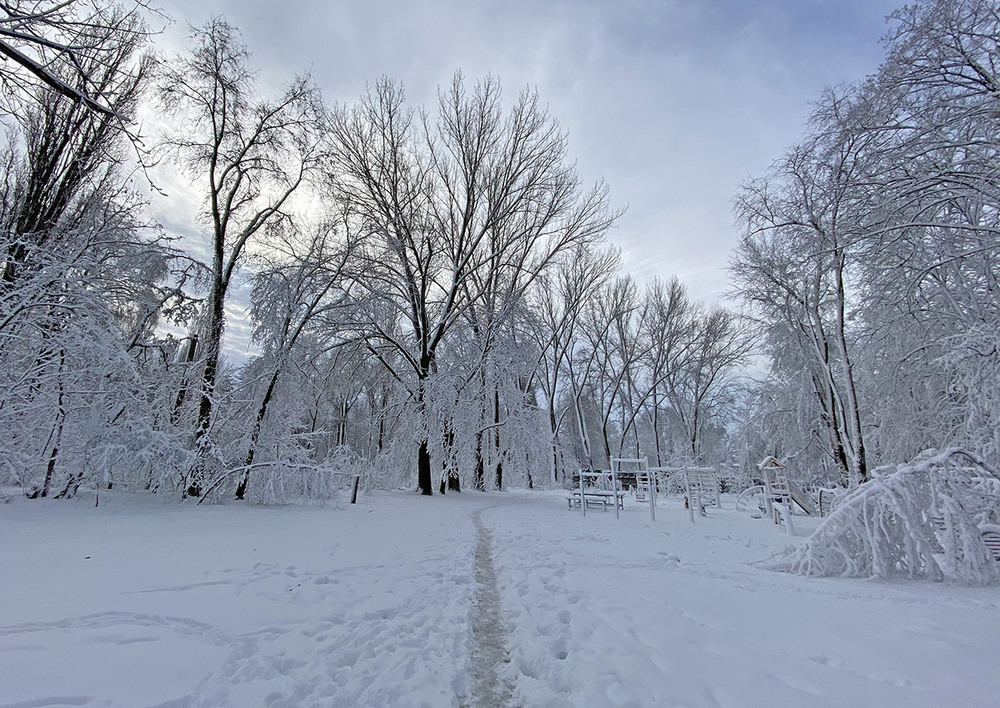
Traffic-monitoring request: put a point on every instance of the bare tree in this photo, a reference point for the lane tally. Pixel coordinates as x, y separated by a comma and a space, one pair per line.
252, 155
78, 295
795, 265
700, 389
666, 325
611, 351
59, 44
558, 302
69, 149
444, 200
302, 290
870, 250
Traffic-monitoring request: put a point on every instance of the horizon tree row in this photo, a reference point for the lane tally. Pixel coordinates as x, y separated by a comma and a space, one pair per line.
430, 293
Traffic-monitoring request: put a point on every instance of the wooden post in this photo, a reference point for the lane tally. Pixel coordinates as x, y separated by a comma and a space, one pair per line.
652, 496
354, 493
687, 483
651, 480
614, 489
583, 502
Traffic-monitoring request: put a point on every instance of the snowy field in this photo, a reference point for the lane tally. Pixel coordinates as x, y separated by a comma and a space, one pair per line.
406, 601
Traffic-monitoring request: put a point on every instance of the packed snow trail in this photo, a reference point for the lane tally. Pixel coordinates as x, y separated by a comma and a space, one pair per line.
490, 688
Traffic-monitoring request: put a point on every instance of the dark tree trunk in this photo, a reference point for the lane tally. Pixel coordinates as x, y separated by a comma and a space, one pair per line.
196, 475
186, 357
50, 467
449, 475
496, 439
824, 395
480, 465
424, 483
553, 423
241, 488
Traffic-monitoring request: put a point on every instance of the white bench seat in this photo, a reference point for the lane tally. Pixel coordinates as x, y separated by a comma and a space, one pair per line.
991, 539
593, 497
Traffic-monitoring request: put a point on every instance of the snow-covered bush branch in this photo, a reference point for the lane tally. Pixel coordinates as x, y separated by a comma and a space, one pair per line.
919, 519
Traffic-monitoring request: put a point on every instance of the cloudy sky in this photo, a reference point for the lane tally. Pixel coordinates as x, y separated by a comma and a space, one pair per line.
672, 102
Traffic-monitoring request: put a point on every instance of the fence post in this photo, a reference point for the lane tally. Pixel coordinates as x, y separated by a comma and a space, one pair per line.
354, 493
614, 488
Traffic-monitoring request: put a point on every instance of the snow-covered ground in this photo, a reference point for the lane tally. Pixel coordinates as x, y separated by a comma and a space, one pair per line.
401, 601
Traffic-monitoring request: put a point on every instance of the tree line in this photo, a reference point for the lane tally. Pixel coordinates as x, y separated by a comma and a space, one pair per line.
868, 257
433, 300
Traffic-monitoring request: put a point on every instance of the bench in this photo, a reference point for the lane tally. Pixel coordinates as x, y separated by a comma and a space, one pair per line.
989, 533
991, 539
593, 497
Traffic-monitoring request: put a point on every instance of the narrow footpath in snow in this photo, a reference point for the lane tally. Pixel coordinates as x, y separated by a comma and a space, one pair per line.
490, 687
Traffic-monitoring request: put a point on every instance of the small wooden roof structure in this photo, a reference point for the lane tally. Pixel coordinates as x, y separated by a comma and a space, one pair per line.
770, 463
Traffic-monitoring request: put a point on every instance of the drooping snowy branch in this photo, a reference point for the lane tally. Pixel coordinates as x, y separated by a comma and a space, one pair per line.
919, 519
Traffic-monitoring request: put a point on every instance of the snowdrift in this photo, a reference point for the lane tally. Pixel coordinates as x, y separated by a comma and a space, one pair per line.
920, 519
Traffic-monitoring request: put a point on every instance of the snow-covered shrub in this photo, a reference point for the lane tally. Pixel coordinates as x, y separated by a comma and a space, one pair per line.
920, 519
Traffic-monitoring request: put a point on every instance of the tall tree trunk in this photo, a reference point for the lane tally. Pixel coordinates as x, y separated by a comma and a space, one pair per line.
656, 430
344, 411
554, 425
852, 412
241, 488
50, 467
424, 483
185, 359
449, 475
194, 484
828, 417
581, 427
496, 439
480, 473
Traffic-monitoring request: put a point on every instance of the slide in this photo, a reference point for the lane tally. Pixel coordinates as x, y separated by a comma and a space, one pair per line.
802, 500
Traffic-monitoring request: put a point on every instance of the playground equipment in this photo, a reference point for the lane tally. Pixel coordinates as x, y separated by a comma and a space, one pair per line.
598, 487
702, 486
780, 495
645, 486
752, 496
775, 485
828, 498
801, 499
